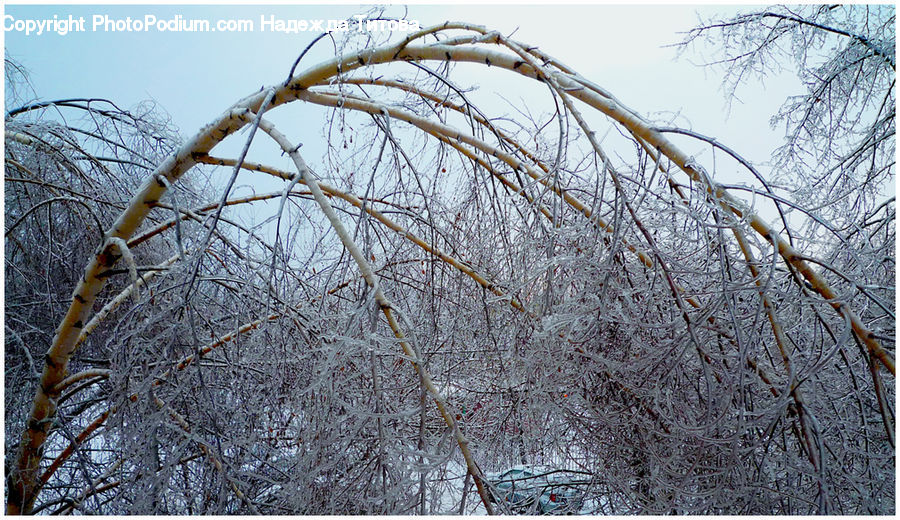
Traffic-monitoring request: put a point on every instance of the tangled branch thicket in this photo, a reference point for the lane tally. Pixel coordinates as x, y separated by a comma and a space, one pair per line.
447, 291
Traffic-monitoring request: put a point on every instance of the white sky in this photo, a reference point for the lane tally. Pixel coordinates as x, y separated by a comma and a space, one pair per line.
196, 76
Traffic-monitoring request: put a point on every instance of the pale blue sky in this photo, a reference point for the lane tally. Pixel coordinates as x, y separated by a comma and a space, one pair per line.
196, 76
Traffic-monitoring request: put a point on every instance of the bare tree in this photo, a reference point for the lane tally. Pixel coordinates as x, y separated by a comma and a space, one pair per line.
839, 150
560, 299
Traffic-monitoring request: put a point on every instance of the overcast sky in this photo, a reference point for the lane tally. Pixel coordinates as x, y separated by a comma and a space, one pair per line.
195, 76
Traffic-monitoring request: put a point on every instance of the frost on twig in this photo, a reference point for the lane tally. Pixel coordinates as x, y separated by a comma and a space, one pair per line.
569, 286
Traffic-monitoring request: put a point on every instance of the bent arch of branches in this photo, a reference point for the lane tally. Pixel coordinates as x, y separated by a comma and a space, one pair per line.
605, 298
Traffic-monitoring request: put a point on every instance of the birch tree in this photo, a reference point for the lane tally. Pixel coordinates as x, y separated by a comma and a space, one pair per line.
450, 287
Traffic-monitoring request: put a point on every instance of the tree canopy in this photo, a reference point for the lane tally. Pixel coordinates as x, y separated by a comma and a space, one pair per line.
454, 288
